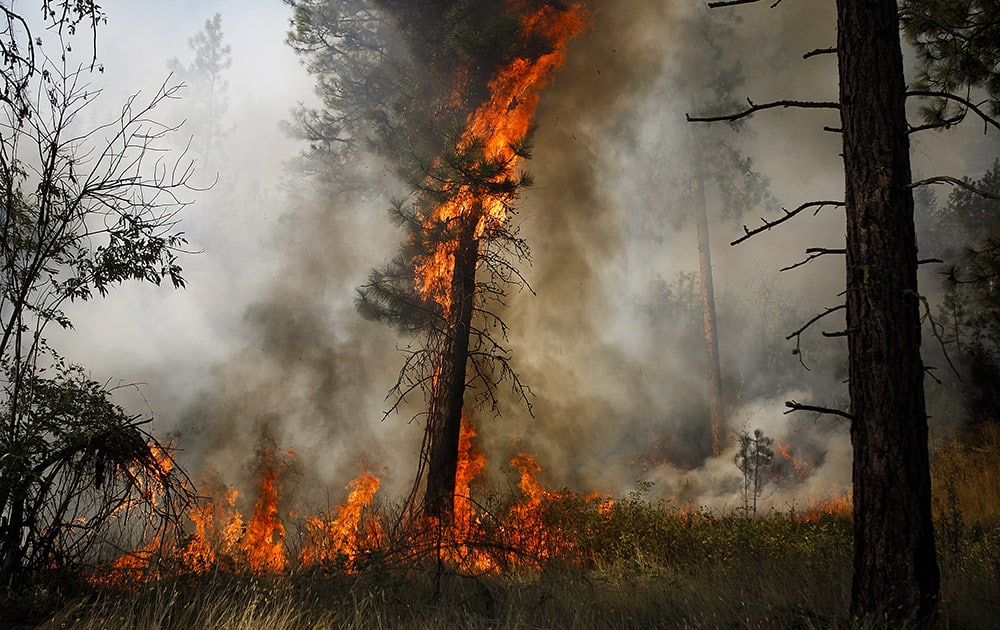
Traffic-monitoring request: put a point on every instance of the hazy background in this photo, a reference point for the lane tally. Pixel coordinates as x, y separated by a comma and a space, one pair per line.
264, 345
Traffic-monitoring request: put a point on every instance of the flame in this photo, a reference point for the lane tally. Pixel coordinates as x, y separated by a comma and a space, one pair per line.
499, 124
471, 463
264, 541
788, 466
339, 534
839, 503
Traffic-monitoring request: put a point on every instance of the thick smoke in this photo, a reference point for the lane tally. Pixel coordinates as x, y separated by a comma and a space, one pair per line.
266, 344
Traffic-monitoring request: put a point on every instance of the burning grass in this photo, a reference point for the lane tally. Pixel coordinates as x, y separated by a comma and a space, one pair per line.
634, 564
532, 557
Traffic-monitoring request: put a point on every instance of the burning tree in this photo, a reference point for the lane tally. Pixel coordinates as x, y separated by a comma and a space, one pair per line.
82, 211
462, 251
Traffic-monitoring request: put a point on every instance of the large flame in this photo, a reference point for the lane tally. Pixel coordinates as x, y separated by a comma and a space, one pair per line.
338, 535
264, 541
500, 124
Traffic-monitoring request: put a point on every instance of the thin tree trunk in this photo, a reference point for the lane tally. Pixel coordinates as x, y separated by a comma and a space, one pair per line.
896, 577
708, 301
445, 421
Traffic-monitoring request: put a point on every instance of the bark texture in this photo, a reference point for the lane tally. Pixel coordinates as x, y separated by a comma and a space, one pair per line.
714, 371
445, 419
896, 577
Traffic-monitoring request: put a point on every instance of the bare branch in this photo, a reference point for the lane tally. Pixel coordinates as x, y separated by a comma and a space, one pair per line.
814, 253
819, 51
954, 181
989, 120
754, 107
796, 406
832, 309
767, 225
730, 3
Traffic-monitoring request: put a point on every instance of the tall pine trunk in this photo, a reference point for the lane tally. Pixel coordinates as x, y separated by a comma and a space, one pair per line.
895, 568
445, 419
714, 367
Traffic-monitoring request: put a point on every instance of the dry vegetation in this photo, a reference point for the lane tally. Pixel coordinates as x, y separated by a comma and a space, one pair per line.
634, 565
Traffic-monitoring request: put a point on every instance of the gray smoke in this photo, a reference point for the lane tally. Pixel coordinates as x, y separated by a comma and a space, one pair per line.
265, 344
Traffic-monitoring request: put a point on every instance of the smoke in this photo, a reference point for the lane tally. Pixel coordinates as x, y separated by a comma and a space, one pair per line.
265, 343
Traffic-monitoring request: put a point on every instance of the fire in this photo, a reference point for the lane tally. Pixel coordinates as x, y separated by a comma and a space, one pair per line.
838, 504
339, 534
499, 124
788, 465
264, 541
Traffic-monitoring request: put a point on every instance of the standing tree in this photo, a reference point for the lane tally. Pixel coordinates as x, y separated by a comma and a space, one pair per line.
753, 458
80, 212
895, 567
204, 79
451, 109
740, 189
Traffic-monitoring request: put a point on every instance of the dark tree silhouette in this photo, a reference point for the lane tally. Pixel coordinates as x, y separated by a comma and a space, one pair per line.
896, 575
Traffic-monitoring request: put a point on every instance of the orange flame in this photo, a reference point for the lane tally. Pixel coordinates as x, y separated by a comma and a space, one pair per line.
339, 534
500, 124
264, 541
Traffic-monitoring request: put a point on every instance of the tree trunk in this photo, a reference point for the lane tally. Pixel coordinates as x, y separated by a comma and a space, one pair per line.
708, 301
896, 575
445, 419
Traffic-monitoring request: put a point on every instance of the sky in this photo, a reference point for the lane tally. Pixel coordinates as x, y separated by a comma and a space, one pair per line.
264, 343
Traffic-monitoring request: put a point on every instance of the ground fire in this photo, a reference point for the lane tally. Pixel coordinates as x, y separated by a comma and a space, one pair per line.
525, 531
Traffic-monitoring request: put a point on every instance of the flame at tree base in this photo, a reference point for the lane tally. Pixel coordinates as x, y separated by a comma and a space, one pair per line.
528, 531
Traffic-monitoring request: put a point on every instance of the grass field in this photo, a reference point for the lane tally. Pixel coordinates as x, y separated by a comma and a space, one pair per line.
586, 564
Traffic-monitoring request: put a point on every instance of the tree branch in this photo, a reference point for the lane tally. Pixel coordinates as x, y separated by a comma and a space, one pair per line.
954, 181
754, 107
819, 51
964, 101
815, 252
796, 406
767, 225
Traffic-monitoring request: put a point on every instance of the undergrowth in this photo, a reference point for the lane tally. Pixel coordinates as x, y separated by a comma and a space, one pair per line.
586, 563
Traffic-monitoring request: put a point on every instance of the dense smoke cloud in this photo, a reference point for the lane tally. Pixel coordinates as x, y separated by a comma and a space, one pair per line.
266, 341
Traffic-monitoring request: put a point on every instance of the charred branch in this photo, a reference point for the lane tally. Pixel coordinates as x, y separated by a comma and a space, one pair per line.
986, 118
954, 181
814, 253
819, 51
767, 225
733, 3
797, 406
797, 335
816, 318
755, 107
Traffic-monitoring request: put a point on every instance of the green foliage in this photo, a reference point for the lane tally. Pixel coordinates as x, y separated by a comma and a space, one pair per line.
82, 209
753, 458
71, 461
966, 232
958, 47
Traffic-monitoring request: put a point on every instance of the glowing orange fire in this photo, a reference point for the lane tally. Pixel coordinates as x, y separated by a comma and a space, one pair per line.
500, 124
339, 535
264, 541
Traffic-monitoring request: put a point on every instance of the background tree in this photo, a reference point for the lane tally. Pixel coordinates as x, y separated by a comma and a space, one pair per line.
205, 97
753, 458
966, 233
81, 210
957, 44
715, 160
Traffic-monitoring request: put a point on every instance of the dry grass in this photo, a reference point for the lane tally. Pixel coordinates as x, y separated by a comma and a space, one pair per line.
634, 566
776, 572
